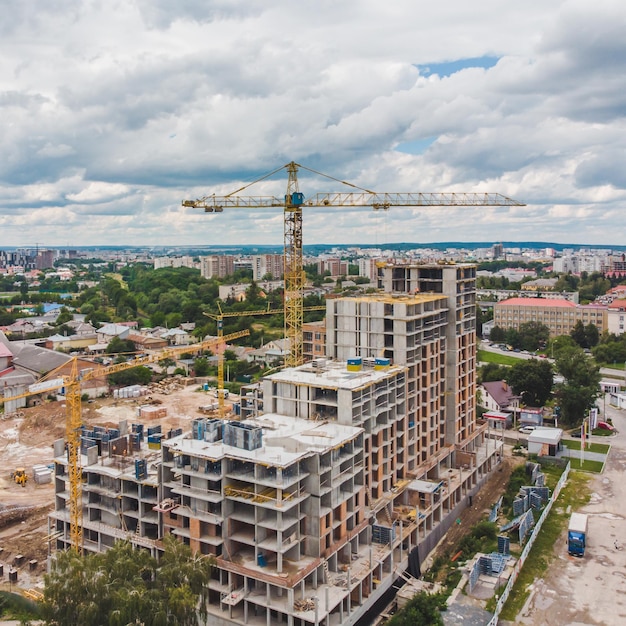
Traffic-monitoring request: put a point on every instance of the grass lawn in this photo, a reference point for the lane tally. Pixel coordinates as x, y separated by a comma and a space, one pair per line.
546, 547
494, 357
601, 448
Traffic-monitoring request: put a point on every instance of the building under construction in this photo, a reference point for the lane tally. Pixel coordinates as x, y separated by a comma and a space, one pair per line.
347, 471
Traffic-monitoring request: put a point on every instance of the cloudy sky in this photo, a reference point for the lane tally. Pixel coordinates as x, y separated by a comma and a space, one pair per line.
113, 112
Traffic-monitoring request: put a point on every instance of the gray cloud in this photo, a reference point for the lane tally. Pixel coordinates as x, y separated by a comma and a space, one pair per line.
111, 114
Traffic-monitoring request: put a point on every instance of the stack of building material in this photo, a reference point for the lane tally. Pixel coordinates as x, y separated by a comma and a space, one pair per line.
152, 412
42, 474
306, 604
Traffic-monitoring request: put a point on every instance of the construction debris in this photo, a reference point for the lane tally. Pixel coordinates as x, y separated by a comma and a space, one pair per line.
306, 604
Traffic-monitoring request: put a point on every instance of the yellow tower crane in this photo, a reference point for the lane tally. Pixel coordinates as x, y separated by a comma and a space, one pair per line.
72, 382
292, 205
219, 318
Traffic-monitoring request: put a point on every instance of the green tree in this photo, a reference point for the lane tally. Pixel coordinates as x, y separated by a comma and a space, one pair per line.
592, 335
117, 346
532, 335
578, 334
423, 609
532, 380
492, 371
578, 393
125, 585
139, 375
201, 366
497, 334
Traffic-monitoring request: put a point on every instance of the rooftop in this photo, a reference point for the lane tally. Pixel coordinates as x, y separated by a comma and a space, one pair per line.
334, 375
285, 441
548, 303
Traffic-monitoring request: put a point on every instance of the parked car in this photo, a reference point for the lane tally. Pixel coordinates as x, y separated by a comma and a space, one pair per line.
526, 430
605, 426
576, 433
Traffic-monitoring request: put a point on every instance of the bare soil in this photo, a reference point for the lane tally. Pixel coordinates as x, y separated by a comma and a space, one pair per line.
482, 503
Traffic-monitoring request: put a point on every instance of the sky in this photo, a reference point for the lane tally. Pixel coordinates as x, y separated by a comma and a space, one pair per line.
113, 112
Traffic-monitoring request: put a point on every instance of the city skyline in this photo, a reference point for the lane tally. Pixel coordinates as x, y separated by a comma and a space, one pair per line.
114, 114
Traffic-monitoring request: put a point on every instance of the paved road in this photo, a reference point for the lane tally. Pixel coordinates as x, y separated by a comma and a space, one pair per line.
590, 590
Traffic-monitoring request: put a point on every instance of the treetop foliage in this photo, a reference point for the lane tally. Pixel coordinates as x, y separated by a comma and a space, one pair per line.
125, 585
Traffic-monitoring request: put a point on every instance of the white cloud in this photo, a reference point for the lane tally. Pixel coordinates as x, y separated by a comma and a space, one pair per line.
112, 113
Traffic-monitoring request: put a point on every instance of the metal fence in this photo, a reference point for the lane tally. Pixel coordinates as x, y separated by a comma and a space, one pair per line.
527, 548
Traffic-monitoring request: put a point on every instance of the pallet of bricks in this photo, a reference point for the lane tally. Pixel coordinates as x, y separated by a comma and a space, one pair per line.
42, 474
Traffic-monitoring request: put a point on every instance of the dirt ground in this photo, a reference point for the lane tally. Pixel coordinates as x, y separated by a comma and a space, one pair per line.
590, 590
482, 503
27, 440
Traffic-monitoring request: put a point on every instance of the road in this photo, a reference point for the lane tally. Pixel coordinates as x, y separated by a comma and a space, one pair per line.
590, 590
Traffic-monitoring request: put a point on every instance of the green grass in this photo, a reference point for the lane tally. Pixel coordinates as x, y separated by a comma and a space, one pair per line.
573, 444
494, 357
595, 467
574, 495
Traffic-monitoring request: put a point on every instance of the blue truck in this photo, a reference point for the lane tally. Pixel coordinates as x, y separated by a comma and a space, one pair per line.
577, 534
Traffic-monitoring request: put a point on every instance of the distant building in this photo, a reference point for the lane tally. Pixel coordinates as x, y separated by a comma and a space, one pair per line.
313, 340
560, 316
173, 261
616, 317
498, 396
217, 266
336, 267
267, 265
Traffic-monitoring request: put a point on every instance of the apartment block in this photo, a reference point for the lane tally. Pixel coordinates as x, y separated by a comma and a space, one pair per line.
457, 283
267, 264
313, 340
560, 316
120, 488
217, 265
342, 473
336, 267
173, 261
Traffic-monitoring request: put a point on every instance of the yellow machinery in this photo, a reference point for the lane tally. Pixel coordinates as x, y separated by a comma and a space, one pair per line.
73, 421
292, 205
219, 318
19, 476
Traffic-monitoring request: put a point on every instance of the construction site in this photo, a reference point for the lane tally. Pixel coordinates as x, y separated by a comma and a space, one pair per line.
331, 479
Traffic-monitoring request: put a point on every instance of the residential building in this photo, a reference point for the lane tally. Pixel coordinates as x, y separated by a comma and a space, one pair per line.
173, 261
616, 317
457, 283
349, 471
560, 316
217, 265
264, 265
369, 269
497, 395
336, 267
313, 340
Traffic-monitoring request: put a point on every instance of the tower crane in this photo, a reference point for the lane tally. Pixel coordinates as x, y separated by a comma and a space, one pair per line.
219, 318
292, 205
73, 421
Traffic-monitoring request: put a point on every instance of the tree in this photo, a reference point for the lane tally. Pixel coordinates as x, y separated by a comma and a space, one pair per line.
117, 345
578, 393
492, 371
497, 334
125, 585
139, 375
532, 335
201, 366
578, 334
423, 609
532, 380
592, 335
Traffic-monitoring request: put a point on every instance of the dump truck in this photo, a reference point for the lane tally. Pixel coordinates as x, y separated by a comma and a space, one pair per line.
577, 534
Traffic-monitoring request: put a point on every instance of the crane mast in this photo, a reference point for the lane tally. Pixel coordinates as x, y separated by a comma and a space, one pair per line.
292, 205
